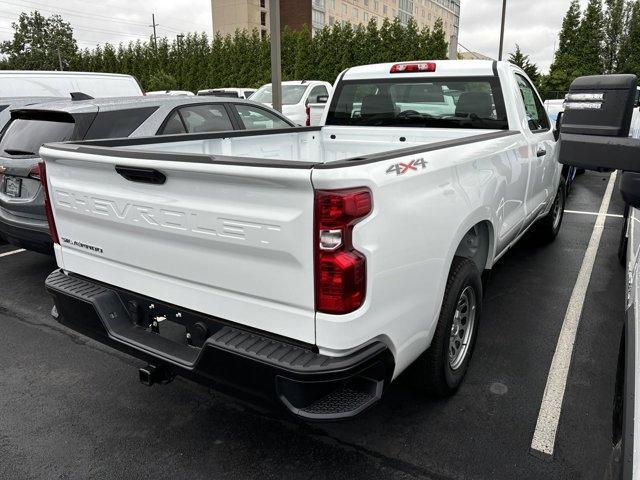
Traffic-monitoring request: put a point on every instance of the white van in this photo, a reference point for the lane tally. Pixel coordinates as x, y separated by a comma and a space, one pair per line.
22, 83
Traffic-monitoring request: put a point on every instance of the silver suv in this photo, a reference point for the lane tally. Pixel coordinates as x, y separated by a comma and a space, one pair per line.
22, 216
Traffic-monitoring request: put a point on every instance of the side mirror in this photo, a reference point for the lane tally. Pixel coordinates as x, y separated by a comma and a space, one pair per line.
596, 123
322, 98
630, 188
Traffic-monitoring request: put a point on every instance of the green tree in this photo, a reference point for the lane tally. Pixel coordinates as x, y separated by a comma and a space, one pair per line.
566, 61
629, 60
613, 33
160, 81
591, 40
304, 62
39, 43
520, 59
439, 44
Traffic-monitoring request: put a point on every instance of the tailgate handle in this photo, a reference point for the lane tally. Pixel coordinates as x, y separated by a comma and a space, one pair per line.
142, 175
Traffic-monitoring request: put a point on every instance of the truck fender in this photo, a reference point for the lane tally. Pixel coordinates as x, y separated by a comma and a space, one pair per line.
479, 217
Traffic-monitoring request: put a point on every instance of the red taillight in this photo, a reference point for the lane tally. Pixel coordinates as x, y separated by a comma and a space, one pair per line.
418, 67
42, 170
308, 112
340, 269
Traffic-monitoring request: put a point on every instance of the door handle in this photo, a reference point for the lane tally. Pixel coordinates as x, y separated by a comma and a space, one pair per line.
142, 175
541, 152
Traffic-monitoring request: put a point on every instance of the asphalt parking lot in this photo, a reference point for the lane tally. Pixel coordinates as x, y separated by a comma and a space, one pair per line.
71, 408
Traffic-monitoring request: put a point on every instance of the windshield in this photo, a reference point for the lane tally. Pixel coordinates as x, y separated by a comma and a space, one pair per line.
291, 94
447, 103
24, 137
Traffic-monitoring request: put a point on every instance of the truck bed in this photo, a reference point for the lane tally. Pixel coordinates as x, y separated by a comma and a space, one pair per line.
304, 146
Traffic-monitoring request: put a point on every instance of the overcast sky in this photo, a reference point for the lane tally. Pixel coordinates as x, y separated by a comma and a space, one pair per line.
533, 24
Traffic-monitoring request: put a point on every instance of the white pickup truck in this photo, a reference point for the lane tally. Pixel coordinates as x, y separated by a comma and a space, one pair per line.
309, 266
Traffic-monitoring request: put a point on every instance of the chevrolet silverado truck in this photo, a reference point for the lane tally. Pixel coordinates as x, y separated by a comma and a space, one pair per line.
309, 266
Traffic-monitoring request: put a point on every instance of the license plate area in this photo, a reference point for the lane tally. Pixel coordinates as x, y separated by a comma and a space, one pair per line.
179, 326
13, 186
170, 330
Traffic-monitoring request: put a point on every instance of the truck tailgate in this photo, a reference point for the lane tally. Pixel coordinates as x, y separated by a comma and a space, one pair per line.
232, 241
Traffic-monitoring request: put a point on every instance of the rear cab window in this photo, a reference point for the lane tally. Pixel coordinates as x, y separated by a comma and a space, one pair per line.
26, 133
475, 103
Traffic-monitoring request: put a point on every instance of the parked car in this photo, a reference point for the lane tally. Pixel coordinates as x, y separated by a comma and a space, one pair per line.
172, 92
8, 104
22, 215
296, 97
601, 130
32, 83
309, 266
228, 92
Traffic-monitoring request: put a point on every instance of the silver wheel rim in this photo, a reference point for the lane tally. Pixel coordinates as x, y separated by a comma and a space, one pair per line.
464, 320
557, 209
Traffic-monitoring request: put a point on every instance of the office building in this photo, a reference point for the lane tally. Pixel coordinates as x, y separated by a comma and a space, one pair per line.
230, 15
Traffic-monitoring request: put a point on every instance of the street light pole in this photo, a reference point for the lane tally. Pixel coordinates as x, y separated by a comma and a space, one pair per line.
276, 60
154, 25
504, 13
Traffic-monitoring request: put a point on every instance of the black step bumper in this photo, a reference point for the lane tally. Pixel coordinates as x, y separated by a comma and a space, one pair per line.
222, 355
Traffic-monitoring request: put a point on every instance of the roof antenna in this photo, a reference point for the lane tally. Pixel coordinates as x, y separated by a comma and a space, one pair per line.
75, 96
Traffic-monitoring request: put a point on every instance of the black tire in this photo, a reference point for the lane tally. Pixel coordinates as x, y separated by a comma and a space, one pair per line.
432, 372
548, 227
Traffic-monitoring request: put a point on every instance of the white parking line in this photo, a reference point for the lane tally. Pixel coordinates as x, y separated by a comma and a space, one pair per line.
611, 215
544, 437
12, 252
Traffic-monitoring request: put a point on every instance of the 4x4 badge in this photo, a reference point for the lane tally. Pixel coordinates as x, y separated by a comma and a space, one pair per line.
402, 168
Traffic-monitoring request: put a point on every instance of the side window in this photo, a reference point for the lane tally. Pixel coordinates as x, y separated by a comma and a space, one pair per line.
315, 91
206, 118
536, 114
118, 123
174, 125
256, 118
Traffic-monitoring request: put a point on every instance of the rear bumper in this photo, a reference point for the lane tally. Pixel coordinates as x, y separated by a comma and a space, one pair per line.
224, 356
26, 233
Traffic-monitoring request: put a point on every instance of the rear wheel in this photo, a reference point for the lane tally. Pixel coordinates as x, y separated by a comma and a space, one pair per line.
440, 370
548, 227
